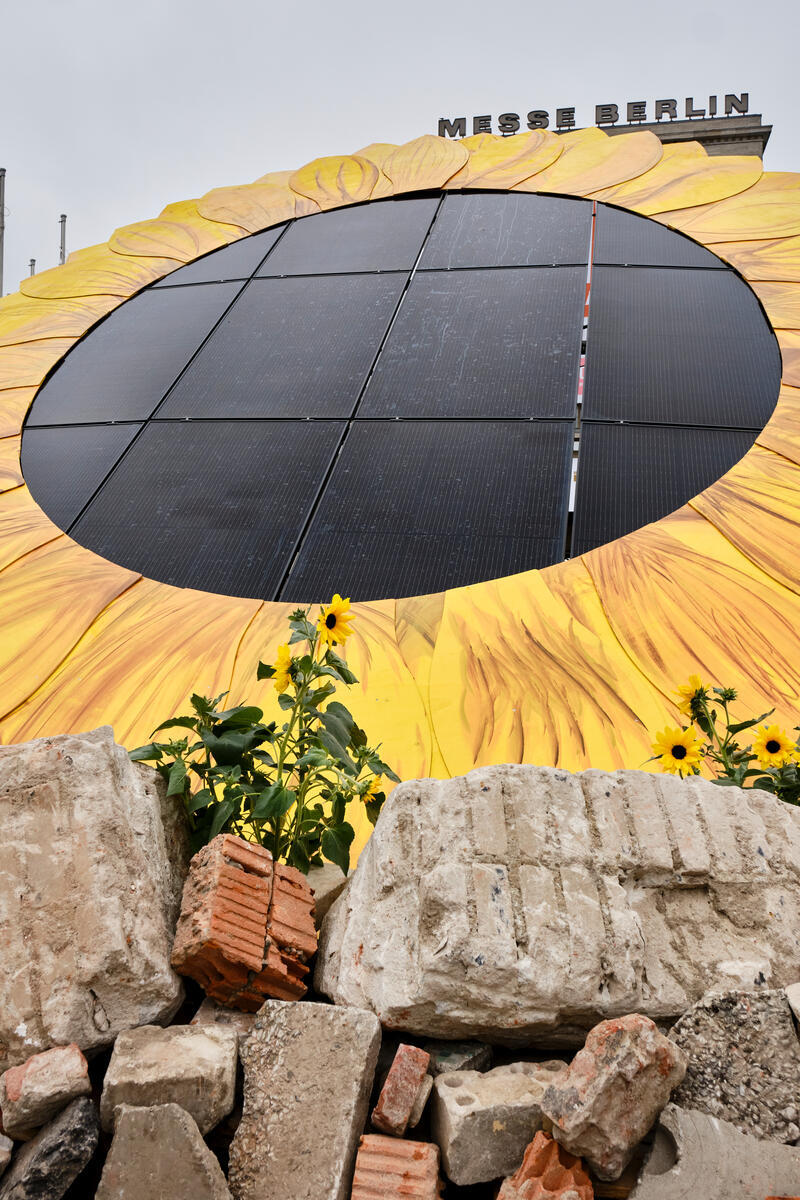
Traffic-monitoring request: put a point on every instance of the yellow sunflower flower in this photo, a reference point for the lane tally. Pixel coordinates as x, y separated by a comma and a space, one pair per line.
333, 618
678, 749
283, 665
373, 789
687, 692
773, 747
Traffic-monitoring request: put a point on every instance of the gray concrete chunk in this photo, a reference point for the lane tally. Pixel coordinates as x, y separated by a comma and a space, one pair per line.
44, 1168
308, 1070
158, 1152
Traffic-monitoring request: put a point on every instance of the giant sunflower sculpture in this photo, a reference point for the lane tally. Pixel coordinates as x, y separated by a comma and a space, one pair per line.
570, 665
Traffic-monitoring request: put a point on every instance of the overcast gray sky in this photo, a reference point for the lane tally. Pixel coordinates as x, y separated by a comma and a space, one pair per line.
112, 111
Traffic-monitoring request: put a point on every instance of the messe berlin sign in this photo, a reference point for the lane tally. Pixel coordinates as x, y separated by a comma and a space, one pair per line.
635, 111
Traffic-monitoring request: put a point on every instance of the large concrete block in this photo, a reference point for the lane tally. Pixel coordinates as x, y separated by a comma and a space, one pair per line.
744, 1062
44, 1168
523, 902
92, 864
483, 1122
697, 1157
190, 1065
308, 1070
158, 1152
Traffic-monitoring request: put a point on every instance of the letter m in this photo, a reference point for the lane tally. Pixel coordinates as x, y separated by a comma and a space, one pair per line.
456, 128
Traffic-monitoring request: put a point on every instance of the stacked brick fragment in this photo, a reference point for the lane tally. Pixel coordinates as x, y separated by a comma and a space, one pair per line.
390, 1169
246, 930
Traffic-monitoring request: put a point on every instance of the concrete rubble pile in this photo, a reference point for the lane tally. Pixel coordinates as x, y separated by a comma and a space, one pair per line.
643, 928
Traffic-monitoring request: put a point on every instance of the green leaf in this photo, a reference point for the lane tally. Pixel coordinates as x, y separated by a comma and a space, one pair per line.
286, 701
199, 800
336, 845
374, 807
275, 801
231, 745
733, 729
223, 813
341, 666
145, 753
236, 718
177, 778
264, 671
313, 758
337, 750
178, 723
298, 858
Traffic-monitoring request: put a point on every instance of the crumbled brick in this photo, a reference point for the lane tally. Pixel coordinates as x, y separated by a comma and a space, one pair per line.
391, 1169
548, 1172
246, 929
399, 1093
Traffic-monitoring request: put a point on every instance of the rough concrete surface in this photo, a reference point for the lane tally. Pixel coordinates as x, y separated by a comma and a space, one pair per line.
458, 1056
211, 1013
91, 867
190, 1065
327, 883
44, 1168
744, 1062
697, 1157
483, 1122
604, 1102
158, 1154
36, 1090
522, 902
6, 1147
308, 1071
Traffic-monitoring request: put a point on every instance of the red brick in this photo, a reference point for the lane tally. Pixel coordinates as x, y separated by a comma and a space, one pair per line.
399, 1092
390, 1169
246, 929
547, 1172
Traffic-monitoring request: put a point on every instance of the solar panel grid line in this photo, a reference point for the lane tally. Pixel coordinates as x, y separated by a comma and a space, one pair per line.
239, 252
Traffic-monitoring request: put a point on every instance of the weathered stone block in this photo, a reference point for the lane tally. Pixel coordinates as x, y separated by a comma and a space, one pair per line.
548, 1172
390, 1169
211, 1013
44, 1168
327, 883
458, 1056
422, 1098
35, 1091
744, 1062
523, 902
158, 1152
697, 1157
399, 1093
90, 864
6, 1147
604, 1102
308, 1070
246, 929
483, 1123
190, 1065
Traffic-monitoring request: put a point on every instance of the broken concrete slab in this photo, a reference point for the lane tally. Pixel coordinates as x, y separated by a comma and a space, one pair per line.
744, 1062
91, 863
211, 1013
524, 903
32, 1093
700, 1157
483, 1122
159, 1152
392, 1169
604, 1102
308, 1071
44, 1168
190, 1065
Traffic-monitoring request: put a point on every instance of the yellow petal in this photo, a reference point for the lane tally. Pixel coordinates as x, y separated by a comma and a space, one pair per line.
426, 162
789, 342
97, 272
137, 664
10, 470
686, 177
782, 303
377, 153
23, 527
776, 258
335, 181
782, 433
255, 206
14, 403
23, 319
182, 240
502, 162
768, 209
27, 364
592, 159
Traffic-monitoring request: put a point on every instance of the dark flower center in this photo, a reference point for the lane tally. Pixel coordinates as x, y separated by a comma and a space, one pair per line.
772, 746
679, 752
330, 621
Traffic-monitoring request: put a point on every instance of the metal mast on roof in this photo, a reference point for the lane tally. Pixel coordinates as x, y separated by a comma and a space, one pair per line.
63, 253
2, 221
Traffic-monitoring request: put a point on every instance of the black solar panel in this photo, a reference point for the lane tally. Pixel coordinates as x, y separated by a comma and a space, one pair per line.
121, 371
630, 475
678, 347
477, 229
384, 236
237, 261
623, 238
215, 505
495, 343
415, 507
63, 466
290, 348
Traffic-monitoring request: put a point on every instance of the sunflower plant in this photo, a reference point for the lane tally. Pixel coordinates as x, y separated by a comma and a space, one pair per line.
768, 760
286, 786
